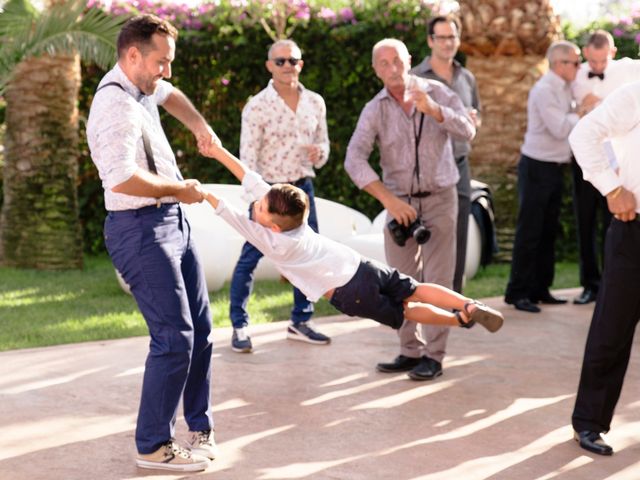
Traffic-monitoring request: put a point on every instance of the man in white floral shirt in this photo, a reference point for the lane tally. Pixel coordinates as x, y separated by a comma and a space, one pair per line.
149, 240
283, 138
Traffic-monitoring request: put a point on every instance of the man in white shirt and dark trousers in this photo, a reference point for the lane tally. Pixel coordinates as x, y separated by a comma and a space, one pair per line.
617, 310
148, 238
545, 152
283, 138
598, 77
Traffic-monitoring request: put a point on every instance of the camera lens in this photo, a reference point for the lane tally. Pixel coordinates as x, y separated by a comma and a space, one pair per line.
421, 234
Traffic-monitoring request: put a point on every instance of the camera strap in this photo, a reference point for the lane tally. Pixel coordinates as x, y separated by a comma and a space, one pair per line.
151, 163
416, 169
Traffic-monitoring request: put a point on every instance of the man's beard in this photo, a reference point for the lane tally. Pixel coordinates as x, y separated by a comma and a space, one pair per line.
149, 86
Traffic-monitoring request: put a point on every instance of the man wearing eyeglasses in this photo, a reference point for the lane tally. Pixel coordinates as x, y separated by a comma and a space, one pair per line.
599, 76
412, 121
443, 38
544, 155
284, 138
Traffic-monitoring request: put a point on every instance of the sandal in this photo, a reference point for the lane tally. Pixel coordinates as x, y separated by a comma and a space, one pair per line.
486, 316
468, 324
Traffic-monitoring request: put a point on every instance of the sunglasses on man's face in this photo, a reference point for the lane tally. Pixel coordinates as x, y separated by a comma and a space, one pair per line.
280, 61
575, 63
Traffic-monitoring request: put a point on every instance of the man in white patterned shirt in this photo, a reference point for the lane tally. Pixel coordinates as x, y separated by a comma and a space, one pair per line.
149, 241
283, 138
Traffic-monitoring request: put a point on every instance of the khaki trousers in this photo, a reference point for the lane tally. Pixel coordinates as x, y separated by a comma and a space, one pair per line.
431, 262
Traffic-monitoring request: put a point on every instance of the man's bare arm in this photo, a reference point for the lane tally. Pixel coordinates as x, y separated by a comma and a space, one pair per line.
217, 151
145, 184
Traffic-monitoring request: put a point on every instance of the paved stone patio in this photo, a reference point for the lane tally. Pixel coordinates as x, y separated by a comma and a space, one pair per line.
296, 411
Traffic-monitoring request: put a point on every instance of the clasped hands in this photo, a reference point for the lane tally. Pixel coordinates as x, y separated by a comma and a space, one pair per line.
208, 144
589, 102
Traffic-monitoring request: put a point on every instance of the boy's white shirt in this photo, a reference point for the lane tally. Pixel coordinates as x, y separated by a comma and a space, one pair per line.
313, 263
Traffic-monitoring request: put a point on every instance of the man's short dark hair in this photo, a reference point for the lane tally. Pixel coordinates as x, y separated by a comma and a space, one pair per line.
431, 26
139, 30
288, 206
600, 39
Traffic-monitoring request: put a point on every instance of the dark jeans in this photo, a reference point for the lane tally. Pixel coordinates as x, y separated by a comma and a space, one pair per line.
242, 280
540, 186
153, 250
613, 325
587, 202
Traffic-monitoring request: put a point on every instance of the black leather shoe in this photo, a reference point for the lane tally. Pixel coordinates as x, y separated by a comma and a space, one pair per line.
593, 442
427, 369
587, 296
399, 364
548, 299
525, 305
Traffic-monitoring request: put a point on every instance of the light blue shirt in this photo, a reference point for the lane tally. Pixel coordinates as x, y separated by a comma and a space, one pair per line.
550, 119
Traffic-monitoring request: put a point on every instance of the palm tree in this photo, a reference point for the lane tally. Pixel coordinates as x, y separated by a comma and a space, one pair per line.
40, 77
505, 42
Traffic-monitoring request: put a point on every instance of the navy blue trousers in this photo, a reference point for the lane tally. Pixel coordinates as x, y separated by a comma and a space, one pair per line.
242, 280
153, 250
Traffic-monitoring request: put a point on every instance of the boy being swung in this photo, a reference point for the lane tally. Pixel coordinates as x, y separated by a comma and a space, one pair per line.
319, 266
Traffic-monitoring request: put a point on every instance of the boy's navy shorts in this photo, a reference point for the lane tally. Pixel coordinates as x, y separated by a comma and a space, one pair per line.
376, 291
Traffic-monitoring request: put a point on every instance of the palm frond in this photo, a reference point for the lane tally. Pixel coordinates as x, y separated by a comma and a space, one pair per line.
62, 29
93, 35
16, 19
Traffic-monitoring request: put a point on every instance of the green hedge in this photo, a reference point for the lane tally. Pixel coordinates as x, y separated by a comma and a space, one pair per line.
220, 63
219, 68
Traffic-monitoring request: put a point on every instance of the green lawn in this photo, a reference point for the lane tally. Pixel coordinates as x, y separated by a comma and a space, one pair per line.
49, 308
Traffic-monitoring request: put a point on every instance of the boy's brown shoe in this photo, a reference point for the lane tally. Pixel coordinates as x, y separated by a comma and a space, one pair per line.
172, 456
486, 316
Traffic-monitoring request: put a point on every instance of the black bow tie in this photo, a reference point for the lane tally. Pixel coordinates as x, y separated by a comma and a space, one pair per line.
594, 74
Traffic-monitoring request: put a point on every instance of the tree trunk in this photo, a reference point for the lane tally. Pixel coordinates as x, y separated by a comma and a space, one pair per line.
505, 42
39, 224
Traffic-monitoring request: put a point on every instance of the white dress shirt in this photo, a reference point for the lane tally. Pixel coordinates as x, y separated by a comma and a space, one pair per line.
114, 133
618, 73
272, 135
313, 263
617, 118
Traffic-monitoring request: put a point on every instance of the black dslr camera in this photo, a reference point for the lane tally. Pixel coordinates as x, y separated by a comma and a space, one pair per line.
400, 233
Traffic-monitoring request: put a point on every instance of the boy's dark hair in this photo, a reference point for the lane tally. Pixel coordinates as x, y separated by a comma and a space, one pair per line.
139, 30
288, 206
600, 39
431, 26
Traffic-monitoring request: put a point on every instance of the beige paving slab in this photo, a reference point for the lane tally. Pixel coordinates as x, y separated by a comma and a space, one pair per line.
296, 411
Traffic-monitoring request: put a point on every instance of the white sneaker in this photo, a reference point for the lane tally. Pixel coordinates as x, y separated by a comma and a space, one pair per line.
203, 443
241, 341
171, 456
306, 332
